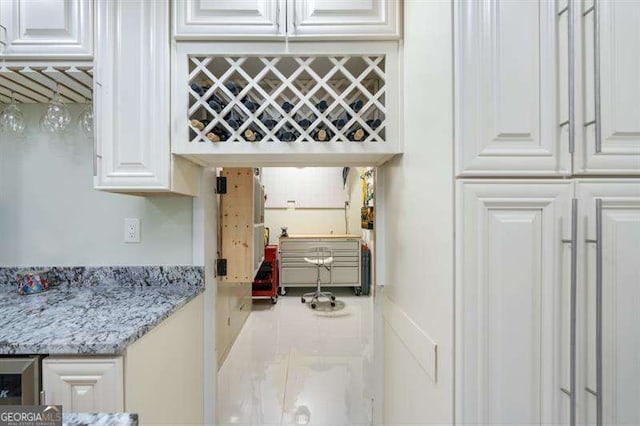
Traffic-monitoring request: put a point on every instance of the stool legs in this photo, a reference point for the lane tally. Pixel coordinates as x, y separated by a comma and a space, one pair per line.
316, 295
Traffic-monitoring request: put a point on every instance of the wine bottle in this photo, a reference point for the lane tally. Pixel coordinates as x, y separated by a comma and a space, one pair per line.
357, 135
304, 123
287, 106
374, 124
231, 86
322, 134
252, 134
250, 105
197, 124
287, 134
218, 134
216, 104
322, 106
234, 120
339, 123
197, 88
356, 106
270, 123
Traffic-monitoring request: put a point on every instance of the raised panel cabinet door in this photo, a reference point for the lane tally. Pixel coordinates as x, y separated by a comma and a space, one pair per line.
610, 88
612, 369
512, 320
131, 90
507, 114
84, 385
228, 19
344, 19
42, 29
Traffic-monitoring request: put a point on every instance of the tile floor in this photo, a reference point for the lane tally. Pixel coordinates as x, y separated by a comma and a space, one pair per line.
294, 366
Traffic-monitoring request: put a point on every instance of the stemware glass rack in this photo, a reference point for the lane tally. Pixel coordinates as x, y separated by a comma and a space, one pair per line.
319, 99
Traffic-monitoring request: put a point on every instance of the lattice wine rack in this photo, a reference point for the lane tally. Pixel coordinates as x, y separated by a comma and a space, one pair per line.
287, 99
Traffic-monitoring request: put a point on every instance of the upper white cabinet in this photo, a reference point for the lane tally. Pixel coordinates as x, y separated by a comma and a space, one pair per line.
512, 303
229, 19
610, 95
132, 101
45, 29
508, 111
343, 18
295, 19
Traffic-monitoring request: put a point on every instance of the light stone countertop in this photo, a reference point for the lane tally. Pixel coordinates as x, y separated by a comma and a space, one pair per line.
99, 419
92, 311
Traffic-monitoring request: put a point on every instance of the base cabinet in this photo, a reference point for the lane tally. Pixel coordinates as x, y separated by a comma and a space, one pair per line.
518, 242
512, 312
610, 374
84, 384
159, 377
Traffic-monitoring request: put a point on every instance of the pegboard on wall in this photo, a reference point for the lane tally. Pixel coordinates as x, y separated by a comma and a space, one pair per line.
307, 187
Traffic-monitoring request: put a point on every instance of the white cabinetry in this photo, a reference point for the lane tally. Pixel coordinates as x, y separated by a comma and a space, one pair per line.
612, 333
228, 19
344, 19
515, 305
44, 29
512, 302
520, 68
507, 113
299, 19
132, 101
610, 68
89, 384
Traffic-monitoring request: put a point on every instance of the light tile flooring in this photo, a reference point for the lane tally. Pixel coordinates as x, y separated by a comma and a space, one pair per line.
292, 365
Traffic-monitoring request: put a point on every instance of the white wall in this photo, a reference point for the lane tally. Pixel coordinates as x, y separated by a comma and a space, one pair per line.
419, 222
50, 214
321, 220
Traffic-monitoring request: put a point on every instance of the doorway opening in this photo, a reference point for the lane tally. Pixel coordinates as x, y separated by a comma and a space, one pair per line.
284, 358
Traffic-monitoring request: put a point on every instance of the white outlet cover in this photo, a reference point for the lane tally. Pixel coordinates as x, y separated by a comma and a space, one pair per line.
132, 230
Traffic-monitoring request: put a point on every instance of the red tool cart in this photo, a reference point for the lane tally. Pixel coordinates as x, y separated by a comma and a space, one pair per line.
266, 282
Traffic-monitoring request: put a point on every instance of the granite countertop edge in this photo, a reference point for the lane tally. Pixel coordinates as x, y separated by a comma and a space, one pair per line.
60, 322
97, 349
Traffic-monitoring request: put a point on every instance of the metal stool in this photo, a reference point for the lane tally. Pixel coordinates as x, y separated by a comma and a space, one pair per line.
321, 257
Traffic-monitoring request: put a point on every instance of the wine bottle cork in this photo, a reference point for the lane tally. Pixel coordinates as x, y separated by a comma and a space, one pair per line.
358, 135
197, 124
213, 137
249, 135
322, 135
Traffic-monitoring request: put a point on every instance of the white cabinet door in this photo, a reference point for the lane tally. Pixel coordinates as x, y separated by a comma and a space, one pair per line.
132, 101
618, 55
619, 301
512, 302
85, 385
228, 19
344, 19
45, 29
507, 98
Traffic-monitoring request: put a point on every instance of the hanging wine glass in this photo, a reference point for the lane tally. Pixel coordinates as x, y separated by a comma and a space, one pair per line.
86, 120
56, 118
11, 118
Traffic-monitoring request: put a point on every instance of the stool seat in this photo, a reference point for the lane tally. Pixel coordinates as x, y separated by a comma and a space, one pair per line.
319, 262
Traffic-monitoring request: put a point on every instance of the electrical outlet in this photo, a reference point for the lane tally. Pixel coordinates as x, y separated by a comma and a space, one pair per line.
131, 230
